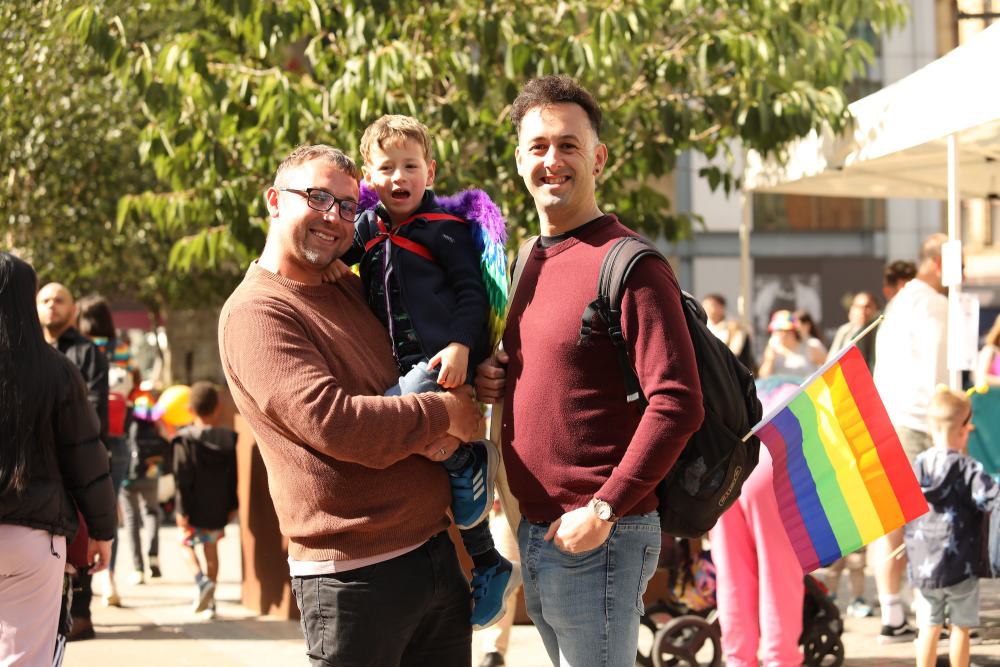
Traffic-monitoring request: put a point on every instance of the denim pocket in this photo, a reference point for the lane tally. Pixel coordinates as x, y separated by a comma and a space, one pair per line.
588, 552
297, 593
649, 562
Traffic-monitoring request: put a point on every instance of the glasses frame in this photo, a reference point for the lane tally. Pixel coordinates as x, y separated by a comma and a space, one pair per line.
336, 202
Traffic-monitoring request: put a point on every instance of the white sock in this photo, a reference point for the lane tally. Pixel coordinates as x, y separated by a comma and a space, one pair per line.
892, 610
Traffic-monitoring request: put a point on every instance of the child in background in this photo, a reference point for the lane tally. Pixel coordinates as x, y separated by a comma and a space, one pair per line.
421, 271
855, 564
205, 474
944, 547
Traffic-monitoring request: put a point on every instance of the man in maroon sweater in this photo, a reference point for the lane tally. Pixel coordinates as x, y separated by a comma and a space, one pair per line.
352, 473
581, 461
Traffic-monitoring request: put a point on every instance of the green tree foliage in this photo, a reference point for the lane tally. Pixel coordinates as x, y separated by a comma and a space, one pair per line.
68, 138
228, 87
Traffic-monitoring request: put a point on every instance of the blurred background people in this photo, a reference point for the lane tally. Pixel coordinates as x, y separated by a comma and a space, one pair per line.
809, 331
728, 331
148, 451
895, 276
57, 313
988, 367
95, 321
51, 462
912, 348
864, 309
787, 354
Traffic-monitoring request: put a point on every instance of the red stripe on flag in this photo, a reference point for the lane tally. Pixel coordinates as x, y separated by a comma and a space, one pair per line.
890, 450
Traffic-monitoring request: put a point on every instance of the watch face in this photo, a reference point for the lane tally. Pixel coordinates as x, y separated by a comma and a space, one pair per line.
603, 511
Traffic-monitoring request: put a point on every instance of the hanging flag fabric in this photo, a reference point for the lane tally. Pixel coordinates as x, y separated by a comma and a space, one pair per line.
841, 476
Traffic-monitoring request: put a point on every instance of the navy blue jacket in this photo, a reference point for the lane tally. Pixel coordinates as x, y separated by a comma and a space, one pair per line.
944, 546
446, 300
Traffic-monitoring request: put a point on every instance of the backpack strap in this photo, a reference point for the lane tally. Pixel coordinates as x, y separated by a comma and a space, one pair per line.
615, 270
518, 267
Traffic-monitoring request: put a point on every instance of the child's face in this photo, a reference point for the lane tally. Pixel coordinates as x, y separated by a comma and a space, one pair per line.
399, 176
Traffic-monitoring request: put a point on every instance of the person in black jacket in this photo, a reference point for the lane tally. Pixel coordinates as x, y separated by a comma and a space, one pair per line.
51, 463
205, 474
57, 312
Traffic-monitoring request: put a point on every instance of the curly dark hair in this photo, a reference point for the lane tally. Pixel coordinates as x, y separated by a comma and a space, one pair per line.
546, 90
898, 271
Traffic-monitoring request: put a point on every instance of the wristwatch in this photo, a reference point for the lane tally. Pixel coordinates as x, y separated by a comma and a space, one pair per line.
603, 510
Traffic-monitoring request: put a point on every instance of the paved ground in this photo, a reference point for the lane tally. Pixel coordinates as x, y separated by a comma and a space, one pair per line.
156, 628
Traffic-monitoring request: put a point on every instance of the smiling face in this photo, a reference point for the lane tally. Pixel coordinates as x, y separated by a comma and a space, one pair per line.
559, 157
307, 241
399, 174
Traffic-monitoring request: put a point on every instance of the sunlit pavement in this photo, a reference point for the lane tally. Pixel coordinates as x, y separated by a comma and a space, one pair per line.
156, 627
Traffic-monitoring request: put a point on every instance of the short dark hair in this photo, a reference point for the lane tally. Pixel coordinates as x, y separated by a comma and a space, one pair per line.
204, 399
871, 297
94, 319
718, 298
897, 271
334, 156
544, 91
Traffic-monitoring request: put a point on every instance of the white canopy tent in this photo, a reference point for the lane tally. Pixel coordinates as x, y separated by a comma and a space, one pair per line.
932, 135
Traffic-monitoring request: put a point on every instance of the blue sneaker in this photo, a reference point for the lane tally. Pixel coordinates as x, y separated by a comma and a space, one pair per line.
472, 488
490, 590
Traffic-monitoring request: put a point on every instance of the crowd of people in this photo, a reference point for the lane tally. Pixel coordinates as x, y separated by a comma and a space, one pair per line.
362, 393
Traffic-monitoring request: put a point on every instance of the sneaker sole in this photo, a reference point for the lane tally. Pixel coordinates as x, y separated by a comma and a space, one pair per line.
205, 597
908, 637
512, 584
492, 465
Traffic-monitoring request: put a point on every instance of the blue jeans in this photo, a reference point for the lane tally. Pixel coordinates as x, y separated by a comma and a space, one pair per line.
587, 605
120, 457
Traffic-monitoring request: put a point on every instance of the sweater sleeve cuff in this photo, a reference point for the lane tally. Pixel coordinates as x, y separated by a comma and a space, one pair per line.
618, 496
437, 415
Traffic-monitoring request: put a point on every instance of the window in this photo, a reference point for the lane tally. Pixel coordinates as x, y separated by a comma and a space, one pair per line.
775, 212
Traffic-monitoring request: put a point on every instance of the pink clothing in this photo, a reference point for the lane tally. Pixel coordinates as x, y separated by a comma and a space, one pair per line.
30, 592
759, 579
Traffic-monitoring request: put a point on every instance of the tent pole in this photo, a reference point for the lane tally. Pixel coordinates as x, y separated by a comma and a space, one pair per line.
954, 232
746, 200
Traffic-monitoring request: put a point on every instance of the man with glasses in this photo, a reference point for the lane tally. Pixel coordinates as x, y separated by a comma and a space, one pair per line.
351, 472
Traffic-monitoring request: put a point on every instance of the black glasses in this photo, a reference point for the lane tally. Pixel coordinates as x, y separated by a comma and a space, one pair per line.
321, 200
968, 419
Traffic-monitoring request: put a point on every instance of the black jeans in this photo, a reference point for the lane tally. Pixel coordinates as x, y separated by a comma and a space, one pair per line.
410, 611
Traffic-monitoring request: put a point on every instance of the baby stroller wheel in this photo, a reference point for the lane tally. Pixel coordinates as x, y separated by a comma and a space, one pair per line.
680, 641
822, 649
650, 622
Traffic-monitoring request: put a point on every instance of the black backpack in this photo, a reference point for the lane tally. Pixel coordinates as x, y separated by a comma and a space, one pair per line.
151, 454
709, 474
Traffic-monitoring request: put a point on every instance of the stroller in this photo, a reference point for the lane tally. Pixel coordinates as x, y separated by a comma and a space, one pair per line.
685, 629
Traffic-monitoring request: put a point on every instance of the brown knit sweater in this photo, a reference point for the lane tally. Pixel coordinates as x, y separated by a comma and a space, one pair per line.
307, 366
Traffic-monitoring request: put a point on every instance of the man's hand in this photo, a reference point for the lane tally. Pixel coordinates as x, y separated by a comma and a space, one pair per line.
462, 412
182, 521
335, 271
98, 555
440, 449
491, 378
454, 360
579, 530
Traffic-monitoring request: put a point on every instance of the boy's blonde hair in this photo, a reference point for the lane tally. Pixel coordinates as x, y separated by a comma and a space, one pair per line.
395, 130
947, 411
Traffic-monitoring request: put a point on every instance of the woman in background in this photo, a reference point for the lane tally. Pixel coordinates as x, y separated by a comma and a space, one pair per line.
810, 332
94, 320
787, 354
51, 463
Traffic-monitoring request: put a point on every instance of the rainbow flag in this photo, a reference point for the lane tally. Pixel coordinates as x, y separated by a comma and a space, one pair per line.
841, 477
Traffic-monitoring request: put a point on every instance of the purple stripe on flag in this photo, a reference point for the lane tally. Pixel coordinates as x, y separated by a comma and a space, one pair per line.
785, 495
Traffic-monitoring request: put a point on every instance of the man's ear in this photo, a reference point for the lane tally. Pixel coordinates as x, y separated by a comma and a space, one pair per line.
517, 160
600, 158
271, 198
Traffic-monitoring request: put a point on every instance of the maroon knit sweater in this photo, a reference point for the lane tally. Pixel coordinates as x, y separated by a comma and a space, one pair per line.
569, 434
307, 366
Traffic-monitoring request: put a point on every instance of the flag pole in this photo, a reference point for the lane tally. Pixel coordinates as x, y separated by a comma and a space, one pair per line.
854, 341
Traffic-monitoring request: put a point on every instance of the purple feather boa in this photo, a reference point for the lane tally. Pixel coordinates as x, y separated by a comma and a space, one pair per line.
473, 204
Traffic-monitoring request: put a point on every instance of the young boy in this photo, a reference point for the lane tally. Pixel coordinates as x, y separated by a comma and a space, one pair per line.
943, 548
205, 473
422, 276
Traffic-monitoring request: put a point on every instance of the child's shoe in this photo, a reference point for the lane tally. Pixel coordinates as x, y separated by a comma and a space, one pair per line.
472, 488
206, 595
490, 590
859, 608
